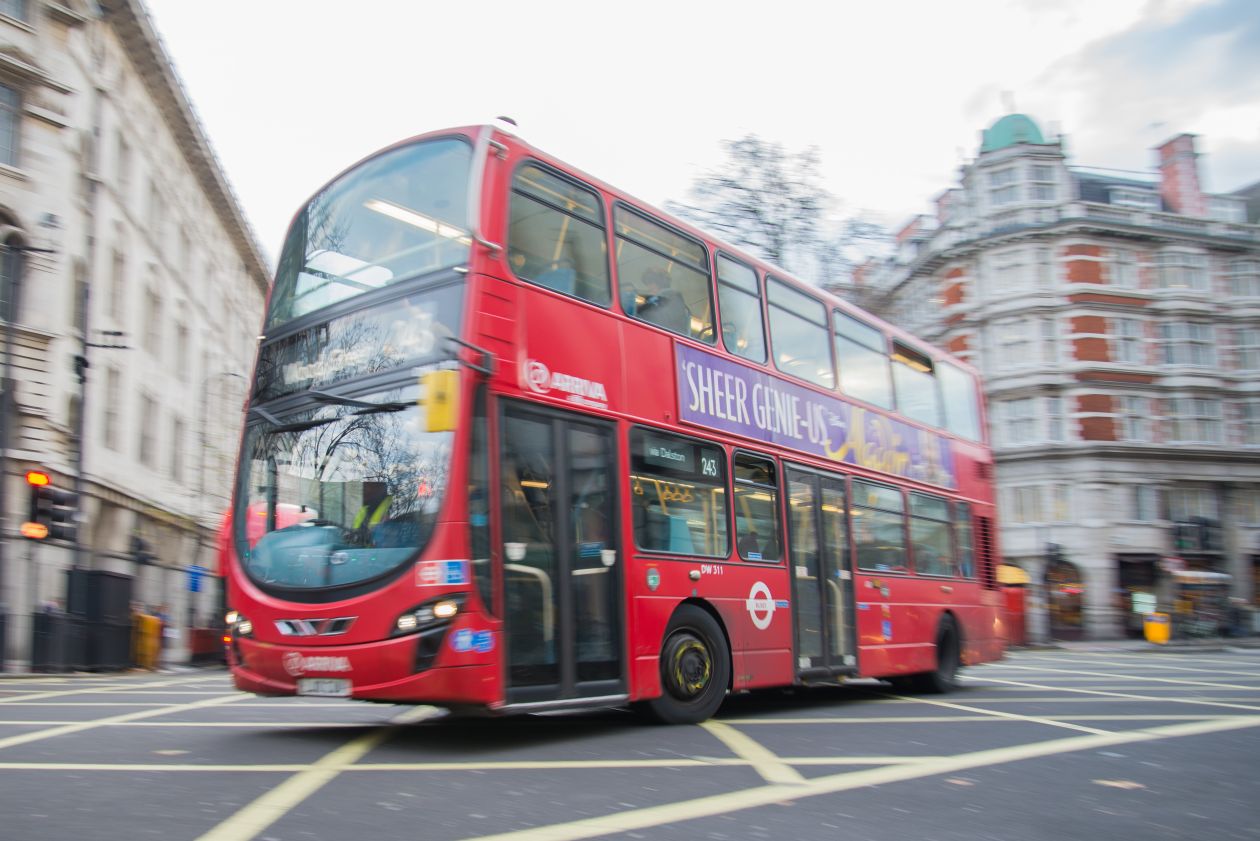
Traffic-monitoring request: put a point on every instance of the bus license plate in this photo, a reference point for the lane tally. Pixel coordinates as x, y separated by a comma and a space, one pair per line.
324, 687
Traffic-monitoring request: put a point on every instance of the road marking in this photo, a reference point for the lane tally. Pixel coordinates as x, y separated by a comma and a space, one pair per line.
762, 759
1028, 719
1128, 696
478, 767
123, 688
80, 726
276, 803
1077, 674
720, 804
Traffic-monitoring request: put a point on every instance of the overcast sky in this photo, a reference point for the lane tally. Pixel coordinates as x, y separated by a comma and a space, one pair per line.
893, 93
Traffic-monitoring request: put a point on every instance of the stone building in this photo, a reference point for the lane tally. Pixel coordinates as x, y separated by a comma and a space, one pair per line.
1115, 317
131, 293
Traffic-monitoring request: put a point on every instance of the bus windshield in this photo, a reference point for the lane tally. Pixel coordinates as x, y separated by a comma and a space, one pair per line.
401, 214
344, 491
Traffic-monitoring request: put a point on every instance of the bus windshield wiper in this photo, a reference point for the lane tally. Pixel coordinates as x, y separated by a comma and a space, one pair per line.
366, 407
278, 425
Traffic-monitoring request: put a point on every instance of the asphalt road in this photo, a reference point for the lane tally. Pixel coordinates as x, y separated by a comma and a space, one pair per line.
1045, 745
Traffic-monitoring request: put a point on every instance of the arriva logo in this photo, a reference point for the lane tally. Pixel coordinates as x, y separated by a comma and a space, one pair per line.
540, 379
296, 665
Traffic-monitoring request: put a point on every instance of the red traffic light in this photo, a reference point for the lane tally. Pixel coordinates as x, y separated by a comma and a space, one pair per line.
37, 477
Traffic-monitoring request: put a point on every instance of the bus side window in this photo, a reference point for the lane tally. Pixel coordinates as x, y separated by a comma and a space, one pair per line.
663, 277
966, 542
914, 382
556, 235
929, 534
879, 527
756, 498
799, 334
862, 356
740, 299
961, 398
678, 495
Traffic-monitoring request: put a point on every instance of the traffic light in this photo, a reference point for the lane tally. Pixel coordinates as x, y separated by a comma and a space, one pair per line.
53, 510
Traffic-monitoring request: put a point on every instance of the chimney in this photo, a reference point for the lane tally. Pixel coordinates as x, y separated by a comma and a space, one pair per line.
1179, 176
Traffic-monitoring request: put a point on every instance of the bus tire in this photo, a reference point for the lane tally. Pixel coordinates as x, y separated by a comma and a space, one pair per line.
695, 669
944, 678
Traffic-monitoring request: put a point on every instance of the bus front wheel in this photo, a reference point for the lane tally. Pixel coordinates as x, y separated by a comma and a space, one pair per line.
695, 669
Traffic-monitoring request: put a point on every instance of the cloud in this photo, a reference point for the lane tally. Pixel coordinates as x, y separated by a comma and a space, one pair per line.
1167, 74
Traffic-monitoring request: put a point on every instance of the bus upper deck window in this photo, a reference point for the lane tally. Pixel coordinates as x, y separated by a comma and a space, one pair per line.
914, 382
556, 235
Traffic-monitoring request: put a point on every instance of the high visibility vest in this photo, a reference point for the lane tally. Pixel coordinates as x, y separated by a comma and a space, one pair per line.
382, 509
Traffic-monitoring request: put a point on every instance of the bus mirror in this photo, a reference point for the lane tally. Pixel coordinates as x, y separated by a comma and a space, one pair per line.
439, 397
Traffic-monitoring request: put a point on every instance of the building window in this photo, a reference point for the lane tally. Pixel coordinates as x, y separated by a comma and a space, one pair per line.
1014, 342
10, 125
1135, 414
1182, 270
1003, 186
113, 391
1145, 504
117, 285
1126, 341
1185, 503
1054, 419
1247, 348
1127, 197
12, 263
1124, 269
1026, 504
1018, 420
177, 449
1249, 419
1244, 278
13, 8
146, 450
122, 163
1248, 507
1188, 343
1060, 503
153, 322
1010, 271
1194, 420
181, 348
1043, 187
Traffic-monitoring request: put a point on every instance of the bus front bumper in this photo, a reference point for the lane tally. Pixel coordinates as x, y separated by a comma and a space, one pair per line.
399, 670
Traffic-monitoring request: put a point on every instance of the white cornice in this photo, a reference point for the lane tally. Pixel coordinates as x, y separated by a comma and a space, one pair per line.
130, 21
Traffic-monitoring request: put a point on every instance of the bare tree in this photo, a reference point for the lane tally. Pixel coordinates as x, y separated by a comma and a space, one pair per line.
774, 203
762, 198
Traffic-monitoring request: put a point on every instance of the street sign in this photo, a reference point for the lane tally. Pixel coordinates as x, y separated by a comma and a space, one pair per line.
195, 574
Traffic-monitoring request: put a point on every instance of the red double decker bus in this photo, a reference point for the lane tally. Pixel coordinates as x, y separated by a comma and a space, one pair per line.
517, 441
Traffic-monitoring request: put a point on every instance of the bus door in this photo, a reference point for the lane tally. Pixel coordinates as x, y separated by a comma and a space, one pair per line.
822, 581
561, 563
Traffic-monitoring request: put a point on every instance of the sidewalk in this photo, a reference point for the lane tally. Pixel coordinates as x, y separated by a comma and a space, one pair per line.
1139, 645
174, 669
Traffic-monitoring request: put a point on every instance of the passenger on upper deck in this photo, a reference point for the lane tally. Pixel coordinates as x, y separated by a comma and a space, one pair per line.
662, 303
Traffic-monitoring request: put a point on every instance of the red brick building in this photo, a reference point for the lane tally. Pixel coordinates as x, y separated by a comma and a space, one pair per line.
1116, 319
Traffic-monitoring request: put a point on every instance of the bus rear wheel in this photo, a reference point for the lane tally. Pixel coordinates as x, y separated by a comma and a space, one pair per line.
695, 669
944, 678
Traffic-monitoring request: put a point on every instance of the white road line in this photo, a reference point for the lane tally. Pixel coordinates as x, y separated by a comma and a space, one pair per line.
1078, 674
1028, 719
762, 759
1128, 696
276, 803
720, 804
123, 688
77, 727
479, 767
977, 719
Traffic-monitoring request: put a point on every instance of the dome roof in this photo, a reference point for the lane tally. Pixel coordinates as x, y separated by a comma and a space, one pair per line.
1010, 130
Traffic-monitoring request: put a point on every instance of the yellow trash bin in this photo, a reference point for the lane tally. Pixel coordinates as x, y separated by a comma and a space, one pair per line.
1157, 628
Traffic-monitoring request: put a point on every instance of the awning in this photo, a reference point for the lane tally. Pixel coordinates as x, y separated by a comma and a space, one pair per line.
1010, 574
